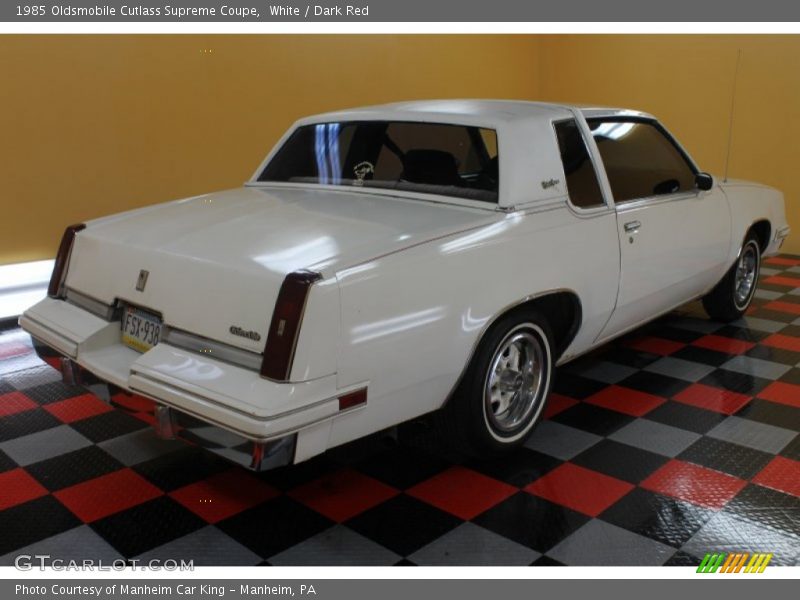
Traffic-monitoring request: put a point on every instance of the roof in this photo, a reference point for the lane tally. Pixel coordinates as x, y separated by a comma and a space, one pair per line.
471, 110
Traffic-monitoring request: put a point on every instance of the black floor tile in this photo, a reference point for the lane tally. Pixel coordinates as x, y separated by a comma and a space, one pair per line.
702, 355
402, 467
771, 413
682, 559
518, 468
6, 464
726, 457
108, 425
628, 357
792, 449
34, 521
74, 467
620, 461
592, 418
274, 526
654, 383
686, 417
55, 391
532, 521
26, 423
147, 526
778, 355
403, 524
657, 517
182, 467
740, 383
767, 507
575, 386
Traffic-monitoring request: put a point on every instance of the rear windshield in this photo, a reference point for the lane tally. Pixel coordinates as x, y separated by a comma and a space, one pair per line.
450, 160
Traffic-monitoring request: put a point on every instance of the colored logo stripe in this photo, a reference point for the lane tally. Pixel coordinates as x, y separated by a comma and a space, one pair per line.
734, 562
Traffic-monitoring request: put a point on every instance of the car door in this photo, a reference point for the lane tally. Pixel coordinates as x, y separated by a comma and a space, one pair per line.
673, 236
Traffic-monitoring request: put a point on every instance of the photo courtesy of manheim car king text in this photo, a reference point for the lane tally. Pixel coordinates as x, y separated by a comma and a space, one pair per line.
508, 293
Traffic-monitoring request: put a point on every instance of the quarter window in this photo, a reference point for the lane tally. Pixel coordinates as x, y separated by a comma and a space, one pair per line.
640, 159
582, 185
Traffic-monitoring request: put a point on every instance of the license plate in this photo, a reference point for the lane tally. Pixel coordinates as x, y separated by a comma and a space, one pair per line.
140, 329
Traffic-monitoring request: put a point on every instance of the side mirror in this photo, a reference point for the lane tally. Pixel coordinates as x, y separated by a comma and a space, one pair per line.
704, 181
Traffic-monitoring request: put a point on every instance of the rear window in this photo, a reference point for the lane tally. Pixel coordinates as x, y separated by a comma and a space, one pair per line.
432, 158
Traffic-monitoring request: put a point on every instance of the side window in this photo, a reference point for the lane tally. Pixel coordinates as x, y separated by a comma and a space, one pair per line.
640, 160
582, 185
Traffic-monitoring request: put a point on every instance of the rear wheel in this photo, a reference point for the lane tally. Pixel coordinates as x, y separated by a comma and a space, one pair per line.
503, 391
731, 297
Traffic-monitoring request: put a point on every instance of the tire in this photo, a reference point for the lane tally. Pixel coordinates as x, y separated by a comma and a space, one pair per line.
504, 389
731, 297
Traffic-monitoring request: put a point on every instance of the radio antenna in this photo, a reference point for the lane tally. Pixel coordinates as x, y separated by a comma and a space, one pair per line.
733, 108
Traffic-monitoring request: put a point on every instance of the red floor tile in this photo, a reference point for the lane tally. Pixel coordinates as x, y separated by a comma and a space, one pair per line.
580, 489
723, 344
557, 403
784, 342
78, 408
16, 487
624, 400
711, 398
792, 282
655, 345
224, 495
781, 474
786, 307
782, 260
134, 402
784, 393
15, 402
462, 492
106, 495
343, 494
694, 484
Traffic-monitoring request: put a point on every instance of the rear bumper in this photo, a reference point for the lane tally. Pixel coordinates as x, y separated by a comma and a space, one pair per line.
227, 409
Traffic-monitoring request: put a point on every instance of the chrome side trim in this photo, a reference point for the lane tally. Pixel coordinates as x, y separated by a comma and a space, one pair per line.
655, 200
89, 304
213, 349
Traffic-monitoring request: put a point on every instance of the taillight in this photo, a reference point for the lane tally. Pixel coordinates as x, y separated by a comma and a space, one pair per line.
285, 326
54, 290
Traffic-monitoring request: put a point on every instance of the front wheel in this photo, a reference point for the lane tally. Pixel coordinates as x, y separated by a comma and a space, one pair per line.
731, 297
504, 389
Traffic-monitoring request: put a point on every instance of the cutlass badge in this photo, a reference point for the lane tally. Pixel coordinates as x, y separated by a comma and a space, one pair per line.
250, 335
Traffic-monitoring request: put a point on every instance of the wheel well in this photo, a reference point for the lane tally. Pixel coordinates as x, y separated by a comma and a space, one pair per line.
762, 229
563, 313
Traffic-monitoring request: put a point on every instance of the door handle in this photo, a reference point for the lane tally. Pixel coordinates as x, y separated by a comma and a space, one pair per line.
632, 226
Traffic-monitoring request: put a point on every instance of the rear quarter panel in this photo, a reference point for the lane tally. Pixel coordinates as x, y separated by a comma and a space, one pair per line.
410, 320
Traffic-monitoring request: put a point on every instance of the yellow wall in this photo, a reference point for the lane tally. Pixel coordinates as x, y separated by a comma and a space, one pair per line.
687, 82
91, 125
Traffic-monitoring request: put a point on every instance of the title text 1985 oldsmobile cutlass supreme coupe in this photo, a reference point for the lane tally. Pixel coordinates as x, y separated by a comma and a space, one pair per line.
391, 261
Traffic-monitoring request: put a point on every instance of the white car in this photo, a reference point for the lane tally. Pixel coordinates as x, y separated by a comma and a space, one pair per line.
387, 262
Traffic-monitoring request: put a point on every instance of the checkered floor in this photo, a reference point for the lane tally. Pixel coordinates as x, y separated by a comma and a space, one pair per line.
678, 440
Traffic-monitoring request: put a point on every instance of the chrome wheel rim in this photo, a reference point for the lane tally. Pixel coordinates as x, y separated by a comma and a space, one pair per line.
746, 272
515, 380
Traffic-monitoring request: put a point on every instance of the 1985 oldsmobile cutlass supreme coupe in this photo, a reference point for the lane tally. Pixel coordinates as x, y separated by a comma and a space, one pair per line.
391, 261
